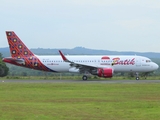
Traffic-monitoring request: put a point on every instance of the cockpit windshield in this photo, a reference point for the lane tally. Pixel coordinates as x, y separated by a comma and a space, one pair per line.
148, 61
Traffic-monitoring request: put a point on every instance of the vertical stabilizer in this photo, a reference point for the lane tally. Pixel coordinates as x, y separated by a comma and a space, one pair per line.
21, 55
17, 48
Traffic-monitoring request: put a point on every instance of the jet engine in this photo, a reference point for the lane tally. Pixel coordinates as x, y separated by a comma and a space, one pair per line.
105, 72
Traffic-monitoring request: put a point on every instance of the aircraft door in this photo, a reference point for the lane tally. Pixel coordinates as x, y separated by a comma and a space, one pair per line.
138, 62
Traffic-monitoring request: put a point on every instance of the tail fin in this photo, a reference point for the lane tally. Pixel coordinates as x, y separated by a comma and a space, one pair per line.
21, 55
17, 48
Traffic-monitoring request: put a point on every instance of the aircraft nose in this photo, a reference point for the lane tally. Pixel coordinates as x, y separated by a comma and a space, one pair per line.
155, 66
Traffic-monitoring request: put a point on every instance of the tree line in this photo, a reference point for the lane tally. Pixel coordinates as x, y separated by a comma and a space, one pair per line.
3, 68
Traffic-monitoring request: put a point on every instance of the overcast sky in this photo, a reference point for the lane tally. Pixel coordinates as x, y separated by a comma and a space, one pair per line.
119, 25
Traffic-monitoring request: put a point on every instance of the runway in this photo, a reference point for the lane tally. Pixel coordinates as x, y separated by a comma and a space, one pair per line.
81, 81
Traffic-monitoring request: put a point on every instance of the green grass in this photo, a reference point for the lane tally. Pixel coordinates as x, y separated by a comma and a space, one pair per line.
58, 77
79, 101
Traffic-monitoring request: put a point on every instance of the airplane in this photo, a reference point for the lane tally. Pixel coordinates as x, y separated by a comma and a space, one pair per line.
100, 65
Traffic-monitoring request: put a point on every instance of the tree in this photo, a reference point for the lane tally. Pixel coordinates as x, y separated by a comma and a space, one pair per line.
3, 68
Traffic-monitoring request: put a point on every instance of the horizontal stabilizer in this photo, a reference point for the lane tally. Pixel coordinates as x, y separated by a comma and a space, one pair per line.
12, 60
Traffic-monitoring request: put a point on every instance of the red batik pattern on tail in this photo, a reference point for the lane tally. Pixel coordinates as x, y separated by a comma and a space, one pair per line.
17, 47
19, 50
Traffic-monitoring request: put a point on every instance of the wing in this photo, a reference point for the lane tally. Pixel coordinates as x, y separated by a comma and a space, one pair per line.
81, 66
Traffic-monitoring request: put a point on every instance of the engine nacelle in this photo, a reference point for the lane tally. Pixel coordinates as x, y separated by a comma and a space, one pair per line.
105, 72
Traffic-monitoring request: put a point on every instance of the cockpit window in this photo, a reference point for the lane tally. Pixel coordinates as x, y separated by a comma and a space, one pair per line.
148, 60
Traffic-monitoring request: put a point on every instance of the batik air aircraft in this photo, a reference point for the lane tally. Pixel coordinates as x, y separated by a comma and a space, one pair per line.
102, 66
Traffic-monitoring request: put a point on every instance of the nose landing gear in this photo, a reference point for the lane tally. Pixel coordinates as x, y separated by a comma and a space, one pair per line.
137, 76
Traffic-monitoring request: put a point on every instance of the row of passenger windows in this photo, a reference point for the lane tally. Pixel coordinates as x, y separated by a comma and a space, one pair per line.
81, 61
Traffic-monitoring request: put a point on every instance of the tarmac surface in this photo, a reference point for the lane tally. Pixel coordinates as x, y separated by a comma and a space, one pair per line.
81, 81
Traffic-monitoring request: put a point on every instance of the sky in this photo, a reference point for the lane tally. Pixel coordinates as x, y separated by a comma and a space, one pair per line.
116, 25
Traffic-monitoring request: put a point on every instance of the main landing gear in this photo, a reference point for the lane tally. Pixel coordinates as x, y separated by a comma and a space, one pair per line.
84, 77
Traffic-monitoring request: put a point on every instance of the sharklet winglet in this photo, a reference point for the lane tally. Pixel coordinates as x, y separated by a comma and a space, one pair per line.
63, 57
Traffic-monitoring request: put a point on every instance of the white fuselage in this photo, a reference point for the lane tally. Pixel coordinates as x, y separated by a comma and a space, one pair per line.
117, 63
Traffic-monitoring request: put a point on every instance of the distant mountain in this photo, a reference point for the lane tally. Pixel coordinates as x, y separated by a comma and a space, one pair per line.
5, 51
82, 51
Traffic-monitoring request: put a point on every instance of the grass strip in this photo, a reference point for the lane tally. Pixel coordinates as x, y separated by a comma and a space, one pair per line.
79, 101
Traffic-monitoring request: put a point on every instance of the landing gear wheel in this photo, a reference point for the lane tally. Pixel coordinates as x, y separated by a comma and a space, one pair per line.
84, 77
